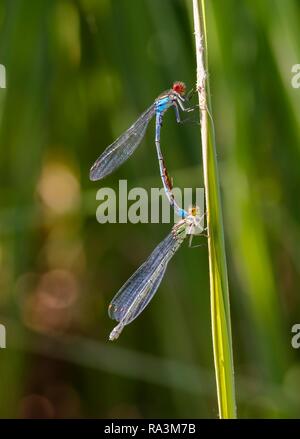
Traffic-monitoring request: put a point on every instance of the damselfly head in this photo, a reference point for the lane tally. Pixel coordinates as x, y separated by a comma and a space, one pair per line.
179, 87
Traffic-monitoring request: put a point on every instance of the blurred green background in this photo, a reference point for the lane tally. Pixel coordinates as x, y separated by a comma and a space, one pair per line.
79, 73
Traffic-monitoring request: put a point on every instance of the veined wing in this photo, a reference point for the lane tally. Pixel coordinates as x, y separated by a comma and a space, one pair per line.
137, 292
122, 148
125, 296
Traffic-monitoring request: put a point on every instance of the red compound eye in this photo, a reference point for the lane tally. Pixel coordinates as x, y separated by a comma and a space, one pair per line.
179, 87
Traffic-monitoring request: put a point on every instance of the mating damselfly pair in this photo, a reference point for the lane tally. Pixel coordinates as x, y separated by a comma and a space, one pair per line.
137, 292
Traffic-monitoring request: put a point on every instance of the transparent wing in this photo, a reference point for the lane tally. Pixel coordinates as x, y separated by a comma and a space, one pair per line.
141, 301
137, 292
147, 293
122, 148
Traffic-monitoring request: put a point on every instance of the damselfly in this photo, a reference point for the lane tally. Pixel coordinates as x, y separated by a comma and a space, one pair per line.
124, 146
140, 288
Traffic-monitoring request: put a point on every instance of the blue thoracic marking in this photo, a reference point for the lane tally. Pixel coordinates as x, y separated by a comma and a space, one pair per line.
163, 104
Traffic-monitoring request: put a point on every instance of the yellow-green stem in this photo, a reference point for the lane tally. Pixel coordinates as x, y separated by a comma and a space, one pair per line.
220, 310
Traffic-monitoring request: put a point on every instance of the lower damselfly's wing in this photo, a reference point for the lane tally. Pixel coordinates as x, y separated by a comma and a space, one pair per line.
137, 292
141, 301
122, 148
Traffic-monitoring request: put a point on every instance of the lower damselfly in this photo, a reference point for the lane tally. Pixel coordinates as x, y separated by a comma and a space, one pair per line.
140, 288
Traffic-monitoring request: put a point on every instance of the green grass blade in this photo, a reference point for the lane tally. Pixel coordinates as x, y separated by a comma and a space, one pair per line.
220, 310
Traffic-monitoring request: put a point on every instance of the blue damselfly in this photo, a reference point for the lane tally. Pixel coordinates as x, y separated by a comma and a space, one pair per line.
124, 146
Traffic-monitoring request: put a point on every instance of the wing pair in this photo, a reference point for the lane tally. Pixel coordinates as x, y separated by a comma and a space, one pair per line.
140, 288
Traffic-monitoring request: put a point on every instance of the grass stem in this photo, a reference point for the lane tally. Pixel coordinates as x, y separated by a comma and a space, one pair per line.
220, 310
